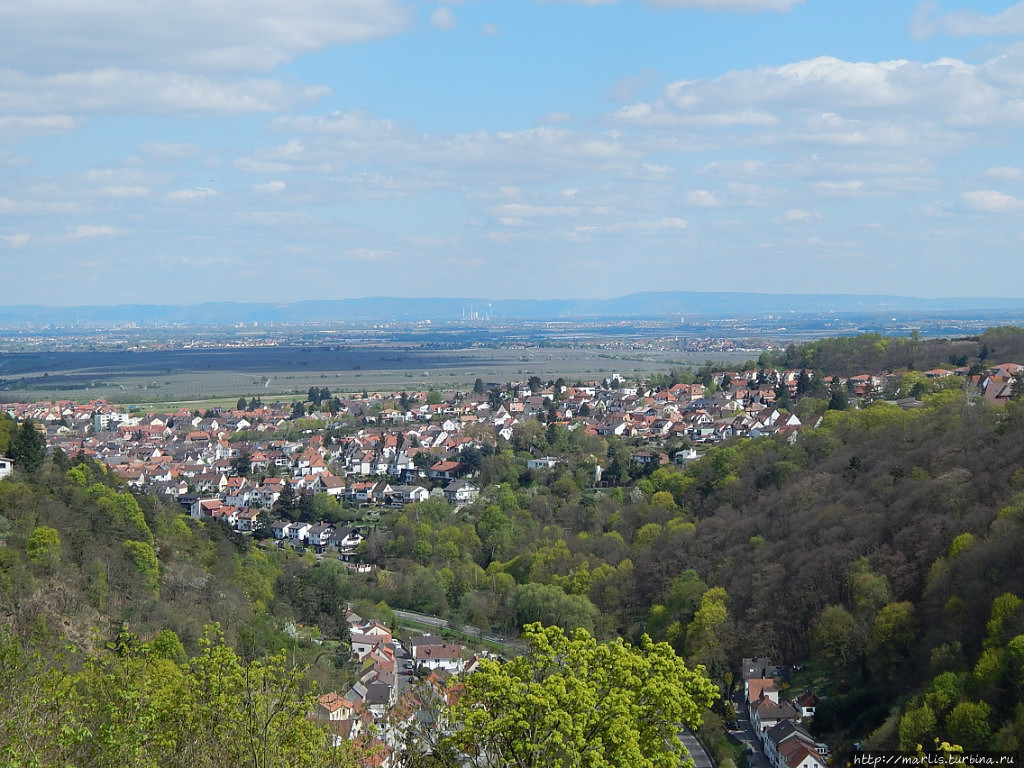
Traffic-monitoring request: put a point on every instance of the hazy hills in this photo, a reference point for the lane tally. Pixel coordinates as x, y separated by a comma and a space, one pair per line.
392, 309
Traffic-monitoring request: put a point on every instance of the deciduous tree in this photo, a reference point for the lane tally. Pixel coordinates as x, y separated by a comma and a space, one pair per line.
574, 703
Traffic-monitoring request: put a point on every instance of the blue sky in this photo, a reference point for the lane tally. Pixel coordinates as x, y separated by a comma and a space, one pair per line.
179, 151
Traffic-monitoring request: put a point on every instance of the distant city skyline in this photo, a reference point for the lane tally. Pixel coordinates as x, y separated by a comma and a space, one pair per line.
178, 153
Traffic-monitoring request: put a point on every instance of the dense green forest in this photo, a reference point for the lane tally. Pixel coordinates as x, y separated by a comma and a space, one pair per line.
880, 553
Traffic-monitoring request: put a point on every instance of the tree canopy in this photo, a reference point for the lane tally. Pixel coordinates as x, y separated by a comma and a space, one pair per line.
572, 702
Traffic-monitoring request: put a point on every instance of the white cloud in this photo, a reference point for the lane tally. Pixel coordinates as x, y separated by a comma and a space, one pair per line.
702, 198
88, 230
351, 139
187, 195
275, 218
991, 201
522, 211
16, 127
16, 241
556, 118
728, 6
139, 91
585, 2
443, 18
1006, 172
734, 6
669, 222
930, 106
797, 216
733, 168
839, 188
270, 188
488, 30
124, 192
30, 207
187, 35
925, 24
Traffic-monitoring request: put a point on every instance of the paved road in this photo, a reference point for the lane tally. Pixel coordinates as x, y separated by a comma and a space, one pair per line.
513, 644
700, 757
756, 757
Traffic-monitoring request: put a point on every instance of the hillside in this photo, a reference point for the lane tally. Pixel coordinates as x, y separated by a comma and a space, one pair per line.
879, 552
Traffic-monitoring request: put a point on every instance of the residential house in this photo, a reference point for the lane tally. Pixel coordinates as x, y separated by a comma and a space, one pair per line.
204, 508
767, 712
461, 492
325, 482
444, 470
345, 539
407, 494
432, 652
546, 462
298, 532
247, 520
319, 534
789, 745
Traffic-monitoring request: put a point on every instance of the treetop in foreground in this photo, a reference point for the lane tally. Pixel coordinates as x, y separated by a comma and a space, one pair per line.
572, 702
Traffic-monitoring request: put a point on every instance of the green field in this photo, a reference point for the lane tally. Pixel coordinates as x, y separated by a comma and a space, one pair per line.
204, 379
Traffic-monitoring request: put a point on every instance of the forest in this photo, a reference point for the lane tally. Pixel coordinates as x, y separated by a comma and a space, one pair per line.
878, 553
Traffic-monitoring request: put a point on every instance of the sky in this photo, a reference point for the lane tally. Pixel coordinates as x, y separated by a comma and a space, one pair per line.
183, 151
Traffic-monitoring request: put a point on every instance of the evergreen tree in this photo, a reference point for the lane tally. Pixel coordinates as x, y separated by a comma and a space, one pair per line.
837, 396
28, 449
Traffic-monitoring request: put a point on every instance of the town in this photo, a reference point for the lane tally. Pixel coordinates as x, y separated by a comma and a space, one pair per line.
311, 475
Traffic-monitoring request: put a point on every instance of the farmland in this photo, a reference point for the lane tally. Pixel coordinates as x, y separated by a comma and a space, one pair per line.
284, 371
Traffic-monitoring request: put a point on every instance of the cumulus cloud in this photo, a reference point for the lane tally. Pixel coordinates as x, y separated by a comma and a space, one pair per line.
839, 188
124, 192
187, 35
729, 6
15, 127
732, 6
1007, 172
520, 214
270, 187
702, 198
556, 118
170, 151
928, 23
991, 201
827, 101
139, 91
797, 216
344, 139
669, 222
188, 195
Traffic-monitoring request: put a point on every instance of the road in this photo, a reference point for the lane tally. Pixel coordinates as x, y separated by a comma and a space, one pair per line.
696, 750
755, 757
513, 644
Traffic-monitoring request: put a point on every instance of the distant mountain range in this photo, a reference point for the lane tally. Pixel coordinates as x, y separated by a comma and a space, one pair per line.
391, 309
